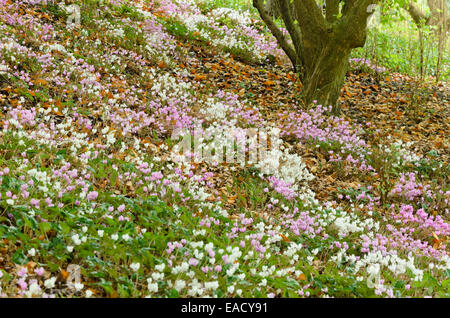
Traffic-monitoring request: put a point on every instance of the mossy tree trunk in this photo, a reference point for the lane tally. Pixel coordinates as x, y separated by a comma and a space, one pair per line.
324, 79
320, 42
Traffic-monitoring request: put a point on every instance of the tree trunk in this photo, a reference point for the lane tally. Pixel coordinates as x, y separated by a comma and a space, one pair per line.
324, 77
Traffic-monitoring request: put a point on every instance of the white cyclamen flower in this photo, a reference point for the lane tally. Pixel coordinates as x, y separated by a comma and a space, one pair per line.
50, 283
32, 252
135, 266
179, 285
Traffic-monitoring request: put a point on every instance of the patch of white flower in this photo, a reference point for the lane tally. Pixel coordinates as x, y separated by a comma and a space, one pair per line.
285, 166
404, 151
374, 261
234, 15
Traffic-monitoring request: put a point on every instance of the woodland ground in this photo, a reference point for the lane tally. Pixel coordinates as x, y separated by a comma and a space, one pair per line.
348, 206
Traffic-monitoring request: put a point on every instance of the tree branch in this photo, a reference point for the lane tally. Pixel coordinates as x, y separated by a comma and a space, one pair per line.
287, 48
293, 29
416, 13
312, 22
355, 19
332, 10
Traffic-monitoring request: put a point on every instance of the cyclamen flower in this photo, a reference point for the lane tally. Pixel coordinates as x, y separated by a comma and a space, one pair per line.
34, 289
179, 285
49, 203
22, 272
92, 195
135, 266
193, 262
22, 284
35, 203
211, 285
39, 271
152, 287
76, 239
50, 283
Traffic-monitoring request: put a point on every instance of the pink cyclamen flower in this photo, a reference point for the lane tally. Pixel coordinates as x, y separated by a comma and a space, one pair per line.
22, 284
34, 202
193, 262
22, 272
39, 271
92, 195
49, 203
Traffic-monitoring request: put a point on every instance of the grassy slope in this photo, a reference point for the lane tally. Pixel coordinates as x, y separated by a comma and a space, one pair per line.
88, 177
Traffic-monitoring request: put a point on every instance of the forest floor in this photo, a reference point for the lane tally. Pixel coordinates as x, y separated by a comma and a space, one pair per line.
354, 205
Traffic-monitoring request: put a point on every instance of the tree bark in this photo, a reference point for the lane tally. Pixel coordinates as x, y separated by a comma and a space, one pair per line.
325, 77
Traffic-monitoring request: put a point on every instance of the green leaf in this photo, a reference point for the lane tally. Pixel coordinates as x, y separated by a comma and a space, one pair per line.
399, 284
107, 286
446, 283
53, 267
65, 228
19, 257
114, 176
45, 227
173, 293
